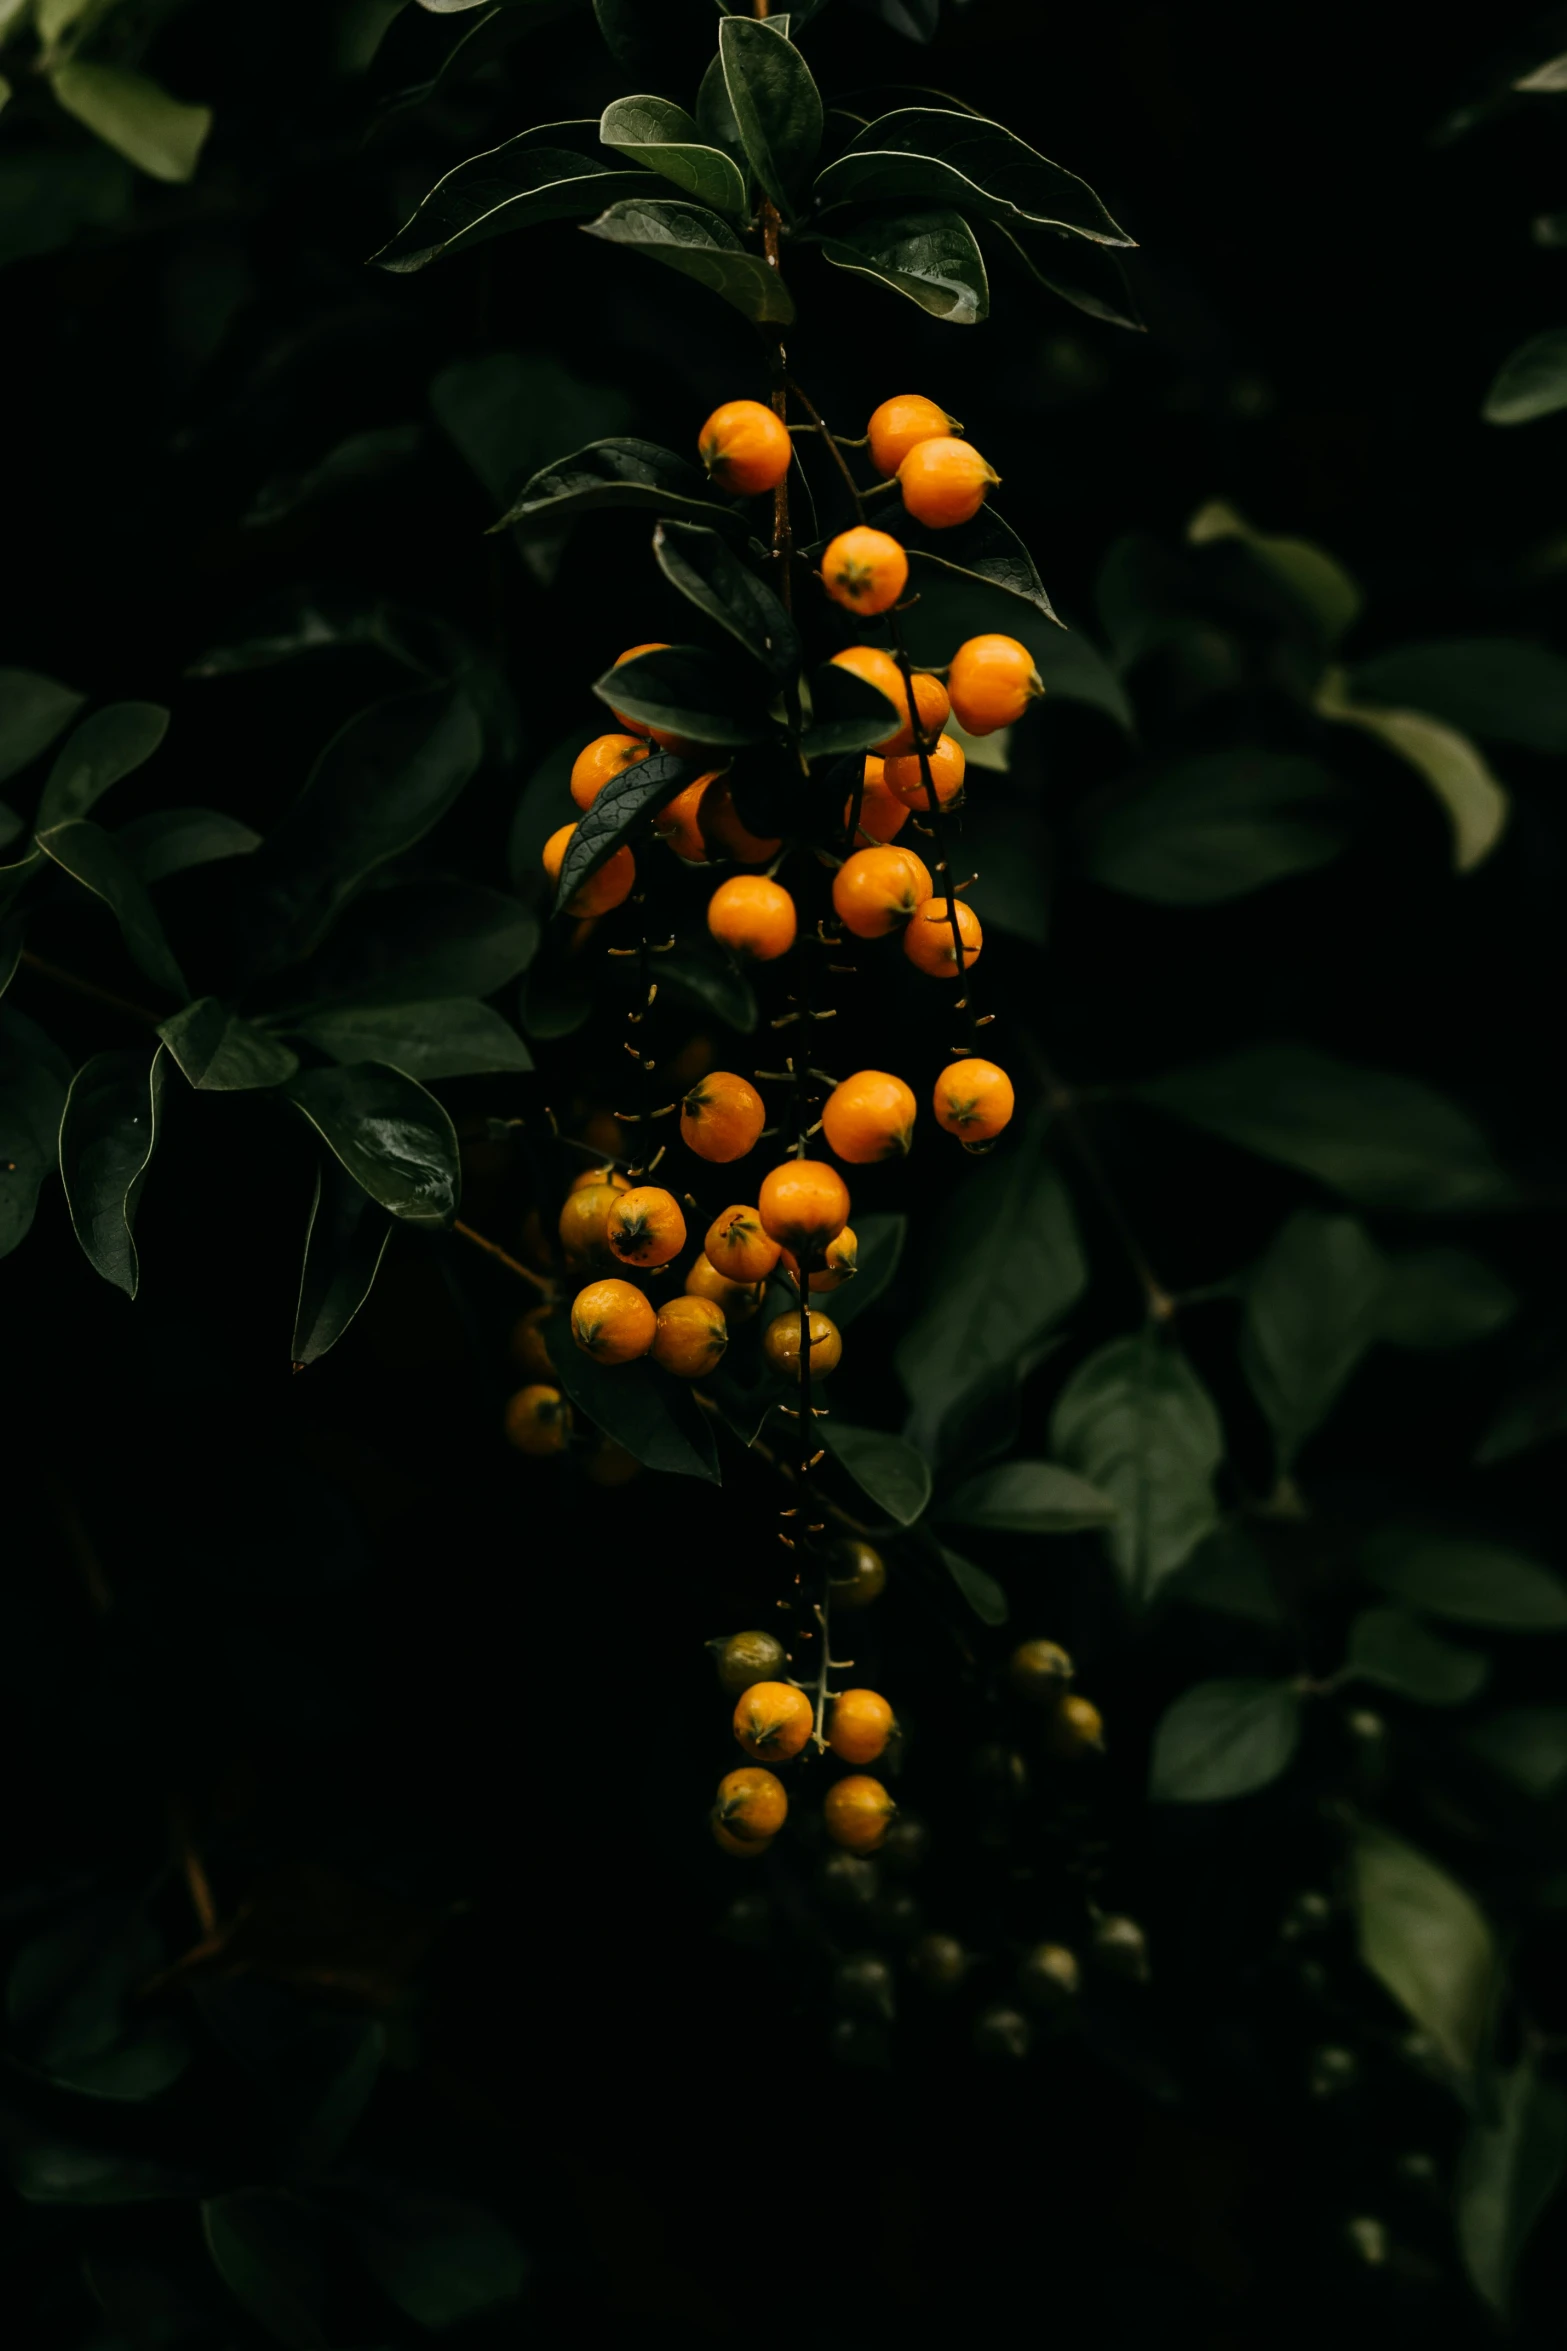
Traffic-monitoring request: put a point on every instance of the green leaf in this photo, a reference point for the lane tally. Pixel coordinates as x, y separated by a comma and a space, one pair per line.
505, 412
34, 1079
221, 1053
1551, 76
1136, 1421
638, 792
135, 116
1312, 1309
697, 561
982, 1592
1509, 2168
350, 464
1383, 1140
33, 710
1389, 1646
1472, 1582
108, 1134
71, 2006
1441, 1298
12, 934
712, 980
1531, 382
1494, 687
664, 138
441, 2261
936, 157
12, 826
617, 472
1229, 1574
1214, 827
776, 105
700, 245
111, 744
48, 194
1526, 1744
848, 714
986, 552
1010, 845
172, 840
514, 186
931, 258
1317, 580
887, 1468
715, 117
1090, 277
686, 690
95, 859
393, 1138
345, 1241
1532, 1415
1475, 802
1224, 1739
44, 2169
881, 1238
266, 2247
406, 942
1426, 1941
652, 1414
1028, 1498
451, 1037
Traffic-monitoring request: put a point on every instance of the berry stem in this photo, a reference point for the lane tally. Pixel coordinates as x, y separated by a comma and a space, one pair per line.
546, 1289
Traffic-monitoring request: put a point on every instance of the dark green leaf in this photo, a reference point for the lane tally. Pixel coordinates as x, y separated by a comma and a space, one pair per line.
705, 976
664, 138
1510, 2167
715, 117
360, 2051
507, 411
880, 1239
451, 1037
441, 2261
1088, 276
638, 792
1028, 1498
112, 743
932, 156
1229, 1574
686, 690
1214, 827
1531, 382
1475, 803
1531, 1416
513, 186
1495, 687
393, 1138
33, 710
700, 245
1388, 1646
702, 567
929, 257
345, 1241
557, 995
1137, 1422
887, 1468
986, 551
653, 1415
172, 840
71, 2006
776, 104
409, 941
1441, 1298
95, 859
1313, 1307
477, 44
44, 2169
1012, 849
12, 826
1315, 581
48, 193
223, 1054
1526, 1744
1471, 1582
12, 934
267, 2249
360, 459
1384, 1140
618, 472
982, 1592
847, 714
108, 1133
1224, 1739
34, 1078
1426, 1941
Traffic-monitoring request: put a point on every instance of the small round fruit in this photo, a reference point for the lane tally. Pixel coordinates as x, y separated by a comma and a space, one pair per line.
882, 815
857, 1811
940, 1962
1076, 1728
752, 1804
781, 1343
639, 726
723, 832
604, 1174
1048, 1975
738, 1848
944, 481
878, 669
753, 916
645, 1226
992, 681
928, 941
679, 822
865, 571
748, 1658
538, 1420
856, 1574
905, 777
869, 1117
900, 424
602, 891
584, 1223
690, 1337
606, 757
528, 1351
860, 1725
721, 1117
737, 1247
612, 1322
738, 1301
803, 1205
876, 890
1039, 1670
773, 1721
746, 448
973, 1100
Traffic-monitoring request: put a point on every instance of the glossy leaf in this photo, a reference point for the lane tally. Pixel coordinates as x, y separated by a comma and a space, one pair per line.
135, 116
1532, 382
700, 564
1139, 1425
1426, 1940
172, 840
616, 472
345, 1241
928, 155
1223, 1739
108, 1134
652, 1414
1526, 1744
1214, 827
94, 858
1388, 1646
881, 1238
33, 710
34, 1078
1028, 1498
982, 1592
624, 805
1472, 1582
112, 743
1312, 1308
1494, 687
450, 1037
1476, 804
540, 175
393, 1138
1441, 1298
221, 1053
776, 105
663, 137
686, 690
1091, 277
1510, 2167
931, 258
406, 942
701, 245
267, 2248
848, 713
440, 2261
887, 1468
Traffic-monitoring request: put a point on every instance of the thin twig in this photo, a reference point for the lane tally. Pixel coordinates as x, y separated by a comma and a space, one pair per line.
546, 1289
73, 980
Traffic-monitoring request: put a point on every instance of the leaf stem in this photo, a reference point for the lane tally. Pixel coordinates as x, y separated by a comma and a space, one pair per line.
546, 1289
73, 980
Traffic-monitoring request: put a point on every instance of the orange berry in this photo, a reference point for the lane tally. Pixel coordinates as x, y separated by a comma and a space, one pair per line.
612, 1322
752, 1804
860, 1726
973, 1100
528, 1351
803, 1205
840, 1263
906, 776
856, 1575
869, 1116
738, 1248
857, 1811
738, 1300
899, 424
878, 669
882, 817
746, 448
876, 890
600, 1175
723, 832
773, 1721
781, 1342
721, 1117
690, 1337
1039, 1670
645, 1226
538, 1420
584, 1223
601, 891
741, 1848
639, 726
992, 680
1074, 1728
944, 481
606, 756
928, 940
678, 822
864, 570
753, 916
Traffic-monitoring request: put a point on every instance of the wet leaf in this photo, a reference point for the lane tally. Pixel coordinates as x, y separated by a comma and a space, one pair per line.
931, 258
652, 1414
1317, 580
982, 1592
1028, 1498
172, 840
699, 563
1312, 1308
111, 744
452, 1037
1476, 804
95, 859
887, 1468
687, 690
987, 552
393, 1138
406, 942
663, 137
1090, 277
621, 808
616, 472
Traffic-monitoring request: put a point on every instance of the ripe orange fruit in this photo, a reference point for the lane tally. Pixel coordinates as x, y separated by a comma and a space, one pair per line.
860, 1725
864, 570
746, 448
773, 1721
584, 1223
605, 757
869, 1116
737, 1247
748, 1658
944, 481
857, 1811
528, 1351
1039, 1670
928, 940
973, 1100
899, 424
738, 1300
803, 1204
604, 1174
612, 1322
741, 1848
752, 1804
725, 835
538, 1420
753, 916
878, 669
721, 1117
639, 726
905, 777
876, 890
856, 1574
645, 1226
679, 822
690, 1337
882, 817
608, 888
840, 1263
992, 681
781, 1343
1074, 1728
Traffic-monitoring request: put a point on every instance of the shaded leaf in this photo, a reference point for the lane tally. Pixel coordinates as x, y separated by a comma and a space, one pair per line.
847, 714
95, 859
887, 1468
1531, 382
652, 1414
1441, 1298
1426, 1941
12, 934
71, 2005
1387, 1645
1013, 851
1214, 827
11, 825
266, 2247
33, 710
135, 116
1222, 1739
664, 138
933, 156
1526, 1744
880, 1238
712, 980
34, 1079
1490, 686
1475, 802
451, 1037
1317, 580
1090, 277
1312, 1308
1509, 2168
506, 411
522, 182
172, 840
441, 2261
409, 941
108, 1133
1472, 1582
221, 1053
1228, 1573
701, 245
393, 1138
111, 744
1137, 1422
987, 551
1028, 1498
45, 2169
1531, 1416
686, 690
775, 103
361, 458
638, 792
615, 472
697, 561
982, 1592
345, 1241
931, 258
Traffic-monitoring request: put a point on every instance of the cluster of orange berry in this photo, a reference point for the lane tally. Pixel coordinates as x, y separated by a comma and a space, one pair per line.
774, 1720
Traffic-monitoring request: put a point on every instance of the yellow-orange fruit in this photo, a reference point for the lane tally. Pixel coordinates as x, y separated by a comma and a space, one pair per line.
992, 681
900, 424
973, 1100
857, 1811
583, 1224
612, 1322
538, 1420
931, 705
781, 1342
906, 776
865, 571
753, 916
725, 836
803, 1204
738, 1248
869, 1116
528, 1351
860, 1725
645, 1226
752, 1804
690, 1337
737, 1301
944, 481
721, 1117
746, 448
606, 756
679, 822
773, 1721
876, 890
602, 891
928, 941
